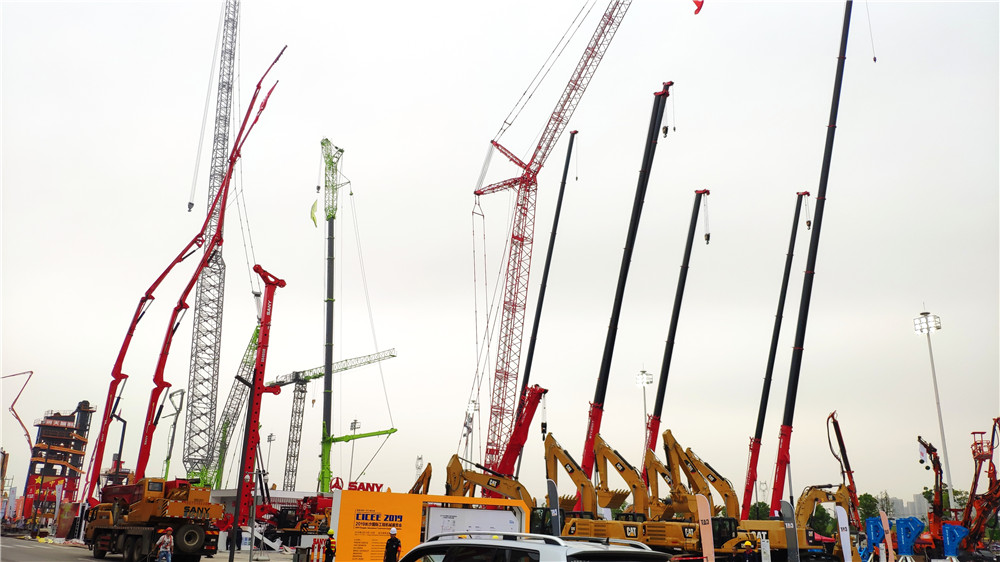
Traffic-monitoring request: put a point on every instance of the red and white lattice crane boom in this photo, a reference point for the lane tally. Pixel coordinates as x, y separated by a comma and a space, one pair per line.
503, 399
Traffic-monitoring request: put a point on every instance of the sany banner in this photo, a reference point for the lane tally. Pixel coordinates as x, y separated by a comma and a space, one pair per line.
844, 529
890, 555
338, 484
705, 522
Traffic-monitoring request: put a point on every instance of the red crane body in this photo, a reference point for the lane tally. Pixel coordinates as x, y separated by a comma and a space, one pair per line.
117, 376
257, 390
503, 399
982, 507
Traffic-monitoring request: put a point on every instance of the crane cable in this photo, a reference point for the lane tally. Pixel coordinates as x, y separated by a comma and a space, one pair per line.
544, 70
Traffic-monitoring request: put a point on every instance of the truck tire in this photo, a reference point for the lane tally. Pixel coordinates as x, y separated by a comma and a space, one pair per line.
189, 539
99, 553
128, 553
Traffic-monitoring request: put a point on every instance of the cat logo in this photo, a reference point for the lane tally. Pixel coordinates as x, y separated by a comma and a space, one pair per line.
620, 467
569, 468
759, 535
631, 531
711, 477
572, 529
493, 483
688, 532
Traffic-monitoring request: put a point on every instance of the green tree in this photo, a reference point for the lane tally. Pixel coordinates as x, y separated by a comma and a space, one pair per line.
962, 497
867, 506
822, 522
885, 503
759, 510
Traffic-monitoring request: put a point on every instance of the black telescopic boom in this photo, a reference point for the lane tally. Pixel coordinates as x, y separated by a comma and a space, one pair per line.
776, 331
541, 291
653, 423
597, 407
785, 435
769, 370
545, 274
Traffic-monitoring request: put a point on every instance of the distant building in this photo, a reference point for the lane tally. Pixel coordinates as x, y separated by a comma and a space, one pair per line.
916, 508
56, 461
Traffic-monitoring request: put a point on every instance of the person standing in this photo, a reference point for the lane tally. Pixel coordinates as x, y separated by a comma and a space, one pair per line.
165, 544
331, 547
392, 547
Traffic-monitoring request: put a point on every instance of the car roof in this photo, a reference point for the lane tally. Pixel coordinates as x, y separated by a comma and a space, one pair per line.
550, 547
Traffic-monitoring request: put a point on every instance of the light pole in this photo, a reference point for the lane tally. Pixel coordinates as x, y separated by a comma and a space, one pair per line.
270, 438
925, 324
354, 428
644, 378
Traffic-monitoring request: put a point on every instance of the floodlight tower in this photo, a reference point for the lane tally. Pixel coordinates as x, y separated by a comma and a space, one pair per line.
925, 324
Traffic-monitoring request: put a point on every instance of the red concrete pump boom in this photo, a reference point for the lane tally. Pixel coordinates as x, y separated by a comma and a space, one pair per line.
199, 241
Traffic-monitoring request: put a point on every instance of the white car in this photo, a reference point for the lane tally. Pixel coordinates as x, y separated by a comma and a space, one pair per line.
528, 547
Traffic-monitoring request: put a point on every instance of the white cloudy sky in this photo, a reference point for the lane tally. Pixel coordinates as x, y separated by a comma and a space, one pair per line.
101, 112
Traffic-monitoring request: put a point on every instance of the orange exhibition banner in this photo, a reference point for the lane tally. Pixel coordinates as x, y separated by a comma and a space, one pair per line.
364, 519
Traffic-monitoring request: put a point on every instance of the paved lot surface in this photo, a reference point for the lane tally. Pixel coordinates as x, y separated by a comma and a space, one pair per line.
15, 548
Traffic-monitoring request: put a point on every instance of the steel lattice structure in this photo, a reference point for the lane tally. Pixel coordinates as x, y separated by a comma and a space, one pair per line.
294, 438
203, 378
503, 399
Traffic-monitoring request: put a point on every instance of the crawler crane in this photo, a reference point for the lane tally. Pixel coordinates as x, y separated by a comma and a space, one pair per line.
507, 410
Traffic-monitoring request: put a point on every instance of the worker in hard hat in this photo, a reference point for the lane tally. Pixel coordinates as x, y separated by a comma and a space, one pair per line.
748, 554
392, 547
331, 547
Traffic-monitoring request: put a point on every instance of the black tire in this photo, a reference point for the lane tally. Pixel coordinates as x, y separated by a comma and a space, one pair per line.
129, 552
189, 539
99, 553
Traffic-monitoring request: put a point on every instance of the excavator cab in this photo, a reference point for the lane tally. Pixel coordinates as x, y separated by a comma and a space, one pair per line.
723, 530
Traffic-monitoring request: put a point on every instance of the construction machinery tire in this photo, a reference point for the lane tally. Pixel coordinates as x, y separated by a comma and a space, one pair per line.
129, 552
189, 539
99, 553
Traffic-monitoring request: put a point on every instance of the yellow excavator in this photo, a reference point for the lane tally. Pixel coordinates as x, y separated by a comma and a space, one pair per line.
461, 482
423, 483
771, 529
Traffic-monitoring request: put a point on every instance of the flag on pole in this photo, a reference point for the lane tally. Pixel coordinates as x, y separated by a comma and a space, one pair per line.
697, 5
312, 213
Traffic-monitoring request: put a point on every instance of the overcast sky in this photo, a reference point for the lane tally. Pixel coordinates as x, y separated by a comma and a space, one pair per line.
102, 107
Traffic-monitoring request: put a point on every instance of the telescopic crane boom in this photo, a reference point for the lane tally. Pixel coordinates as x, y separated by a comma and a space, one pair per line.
751, 479
785, 434
604, 374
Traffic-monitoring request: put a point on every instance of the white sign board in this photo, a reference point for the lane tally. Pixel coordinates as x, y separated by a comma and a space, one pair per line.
453, 520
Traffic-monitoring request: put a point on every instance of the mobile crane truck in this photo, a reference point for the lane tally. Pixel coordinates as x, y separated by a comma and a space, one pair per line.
130, 518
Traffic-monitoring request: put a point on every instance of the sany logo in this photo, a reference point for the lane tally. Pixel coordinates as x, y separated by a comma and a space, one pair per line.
338, 484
